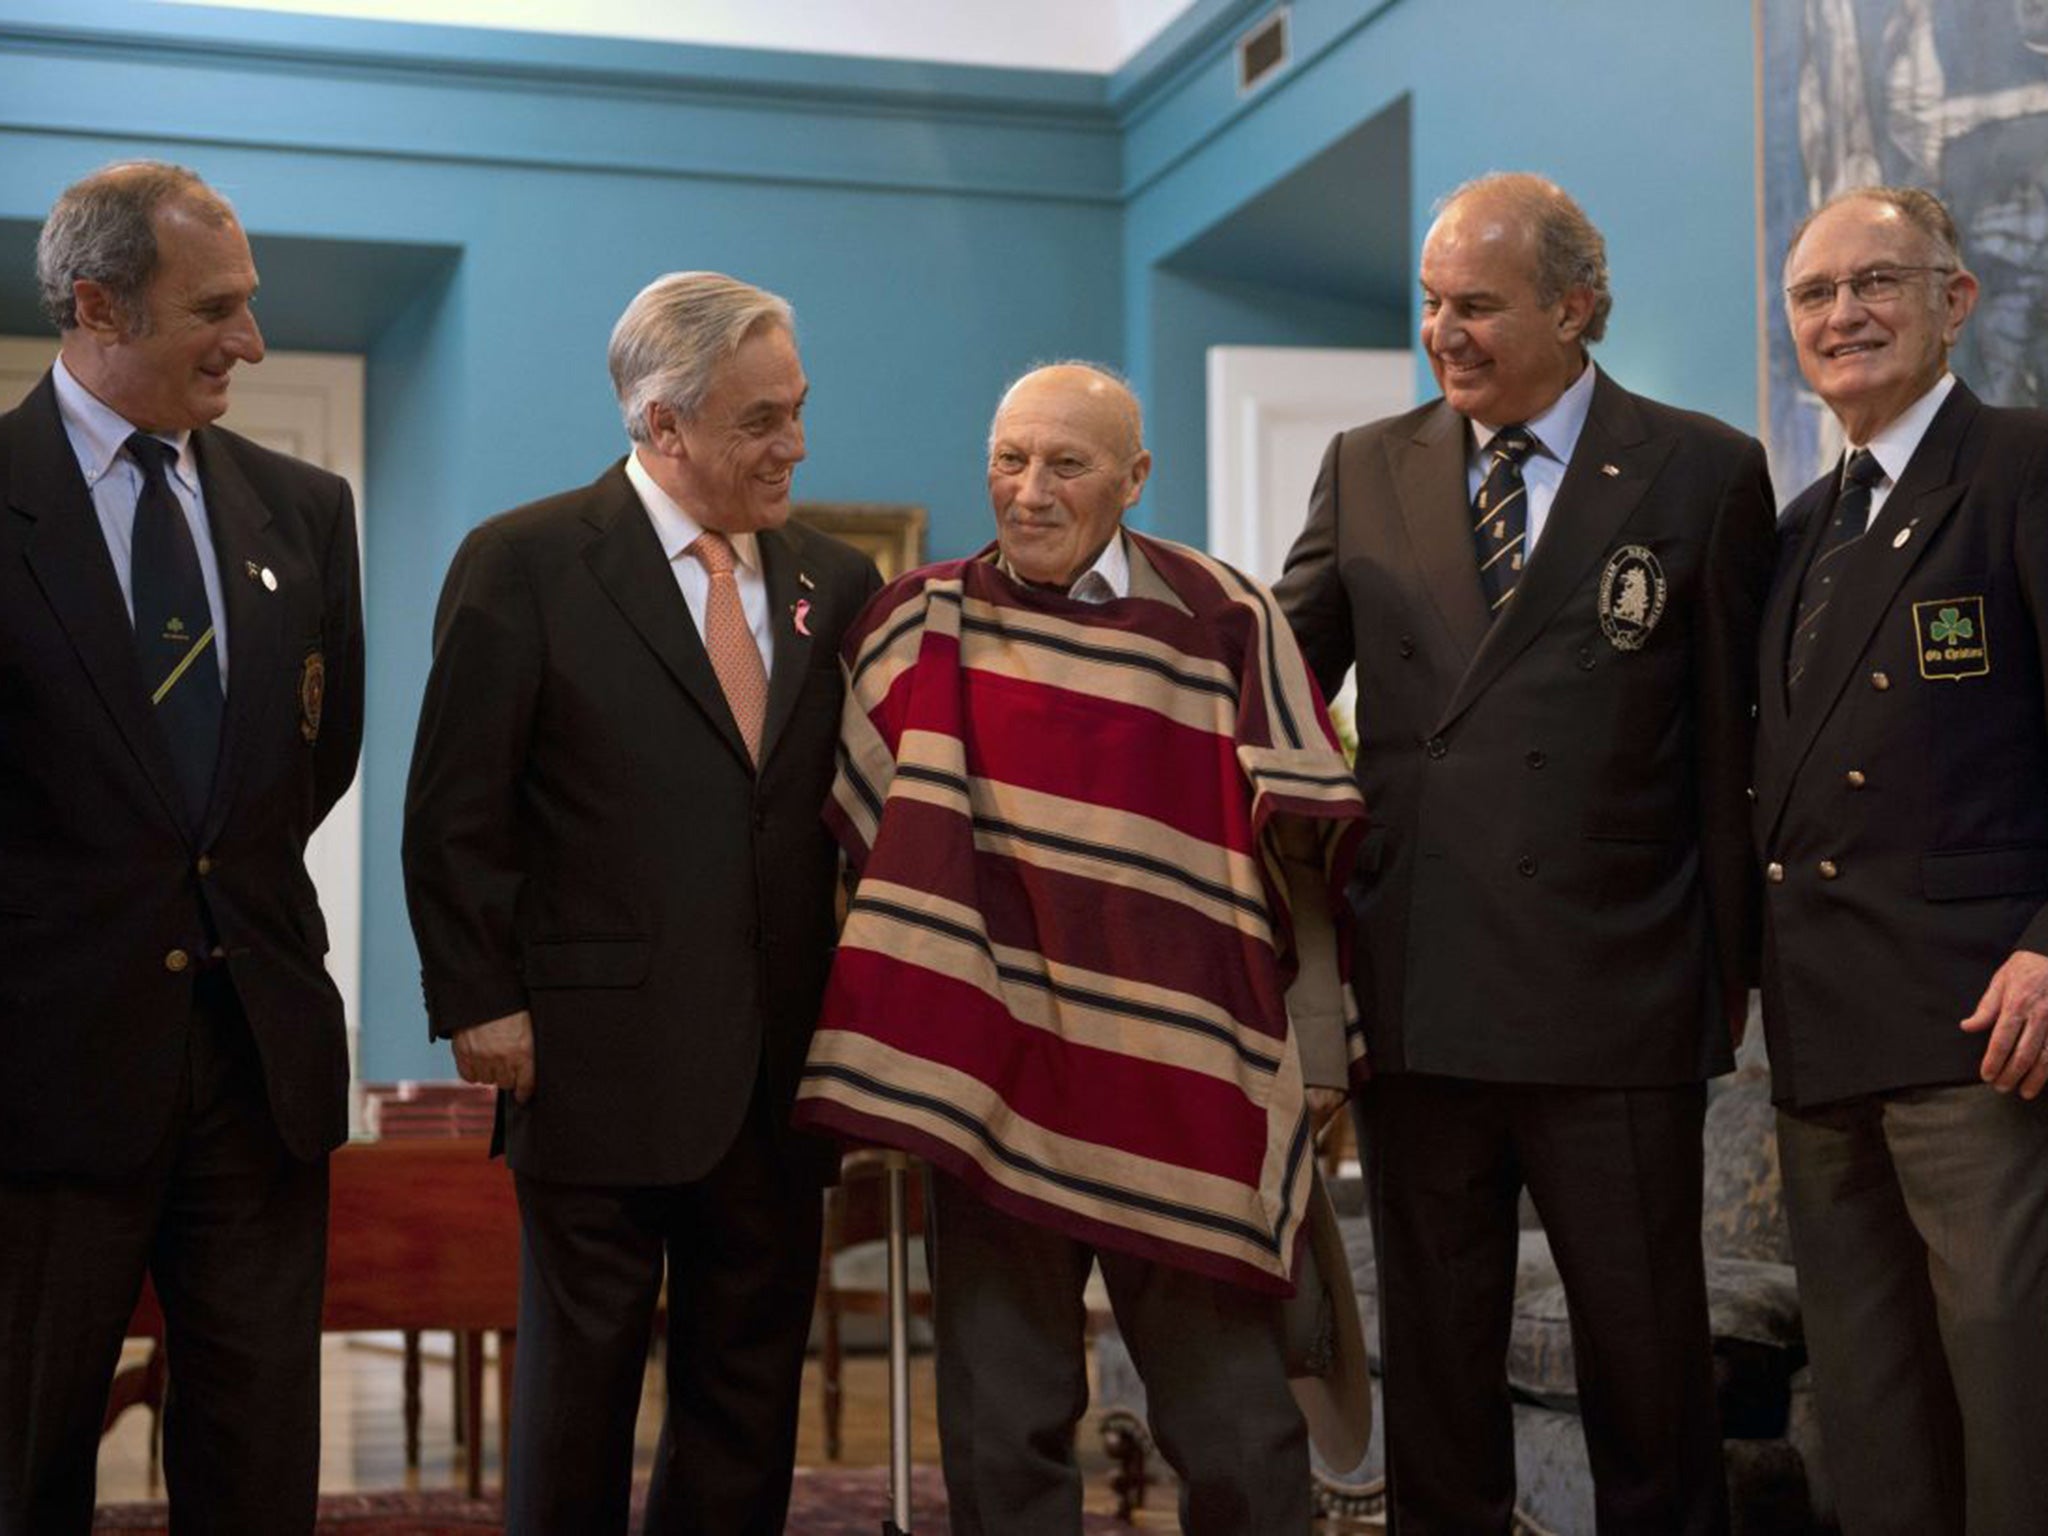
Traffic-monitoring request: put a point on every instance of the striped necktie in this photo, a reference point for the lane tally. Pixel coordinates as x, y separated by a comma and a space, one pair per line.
735, 655
1501, 515
174, 631
1852, 516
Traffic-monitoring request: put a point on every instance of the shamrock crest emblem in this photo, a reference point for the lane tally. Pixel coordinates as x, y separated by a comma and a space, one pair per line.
1950, 626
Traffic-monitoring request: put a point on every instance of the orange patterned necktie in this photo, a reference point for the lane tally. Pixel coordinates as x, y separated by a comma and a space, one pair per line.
734, 655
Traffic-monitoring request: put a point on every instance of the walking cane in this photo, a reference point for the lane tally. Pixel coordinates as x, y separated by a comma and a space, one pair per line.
897, 1165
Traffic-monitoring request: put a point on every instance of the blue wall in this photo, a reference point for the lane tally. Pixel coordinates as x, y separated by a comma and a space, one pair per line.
496, 198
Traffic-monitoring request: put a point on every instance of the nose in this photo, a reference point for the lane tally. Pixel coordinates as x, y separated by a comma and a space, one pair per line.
246, 340
1034, 486
793, 441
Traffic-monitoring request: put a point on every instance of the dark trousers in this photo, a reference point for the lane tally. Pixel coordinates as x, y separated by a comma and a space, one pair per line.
1615, 1175
1920, 1224
1012, 1382
233, 1231
741, 1246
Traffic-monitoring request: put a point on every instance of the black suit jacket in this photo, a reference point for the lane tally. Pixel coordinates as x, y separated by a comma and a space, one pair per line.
586, 837
1558, 884
1915, 765
100, 878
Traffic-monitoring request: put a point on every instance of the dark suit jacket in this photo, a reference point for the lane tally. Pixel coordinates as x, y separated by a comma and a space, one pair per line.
100, 878
1916, 765
586, 838
1558, 886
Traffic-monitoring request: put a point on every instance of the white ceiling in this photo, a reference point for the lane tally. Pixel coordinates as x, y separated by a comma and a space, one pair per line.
1096, 36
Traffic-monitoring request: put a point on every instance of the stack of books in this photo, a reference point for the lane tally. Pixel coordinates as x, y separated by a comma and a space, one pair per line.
428, 1109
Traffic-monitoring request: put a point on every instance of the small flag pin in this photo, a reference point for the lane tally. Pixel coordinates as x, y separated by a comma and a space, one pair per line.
1612, 471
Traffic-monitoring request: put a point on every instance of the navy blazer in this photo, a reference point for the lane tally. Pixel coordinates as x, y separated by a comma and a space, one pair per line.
105, 894
1902, 812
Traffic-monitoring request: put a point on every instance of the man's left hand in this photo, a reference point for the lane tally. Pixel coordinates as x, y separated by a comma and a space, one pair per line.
2015, 1009
1323, 1105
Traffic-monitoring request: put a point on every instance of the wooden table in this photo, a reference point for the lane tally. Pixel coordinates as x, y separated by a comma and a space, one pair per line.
422, 1235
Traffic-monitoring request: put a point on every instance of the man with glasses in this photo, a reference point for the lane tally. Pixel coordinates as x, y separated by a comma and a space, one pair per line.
1902, 816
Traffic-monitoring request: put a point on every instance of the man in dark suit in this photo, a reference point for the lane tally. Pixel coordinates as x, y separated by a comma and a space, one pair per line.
623, 894
180, 703
1902, 818
1556, 899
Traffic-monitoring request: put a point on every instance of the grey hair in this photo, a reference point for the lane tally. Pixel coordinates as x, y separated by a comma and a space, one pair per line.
671, 341
102, 230
1570, 252
1134, 411
1920, 208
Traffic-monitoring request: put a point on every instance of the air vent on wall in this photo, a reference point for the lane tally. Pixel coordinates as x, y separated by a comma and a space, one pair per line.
1262, 52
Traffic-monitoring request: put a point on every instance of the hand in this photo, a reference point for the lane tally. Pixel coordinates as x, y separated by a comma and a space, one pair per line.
2015, 1009
498, 1053
1323, 1106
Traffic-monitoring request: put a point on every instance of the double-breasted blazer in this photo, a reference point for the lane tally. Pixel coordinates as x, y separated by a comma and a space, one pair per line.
1558, 886
109, 900
587, 838
1902, 815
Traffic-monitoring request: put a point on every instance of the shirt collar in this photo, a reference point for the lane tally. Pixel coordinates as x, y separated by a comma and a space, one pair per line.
1558, 428
1894, 446
676, 528
99, 433
1113, 566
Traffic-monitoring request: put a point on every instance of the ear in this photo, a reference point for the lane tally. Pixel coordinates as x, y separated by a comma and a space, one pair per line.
1141, 468
665, 431
99, 314
1959, 299
1575, 313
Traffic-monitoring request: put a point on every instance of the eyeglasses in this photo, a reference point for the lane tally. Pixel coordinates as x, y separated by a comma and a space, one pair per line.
1879, 285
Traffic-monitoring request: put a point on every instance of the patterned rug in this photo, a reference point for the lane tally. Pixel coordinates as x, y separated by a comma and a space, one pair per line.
826, 1502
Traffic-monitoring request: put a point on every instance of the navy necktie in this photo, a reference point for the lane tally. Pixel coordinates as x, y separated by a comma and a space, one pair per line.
1817, 588
1501, 516
174, 632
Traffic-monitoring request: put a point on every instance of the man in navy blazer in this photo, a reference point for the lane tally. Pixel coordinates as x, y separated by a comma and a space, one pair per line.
1902, 817
622, 888
173, 1065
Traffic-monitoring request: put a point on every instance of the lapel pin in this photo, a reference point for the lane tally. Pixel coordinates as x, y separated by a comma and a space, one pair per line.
1899, 538
802, 615
262, 573
803, 579
1612, 471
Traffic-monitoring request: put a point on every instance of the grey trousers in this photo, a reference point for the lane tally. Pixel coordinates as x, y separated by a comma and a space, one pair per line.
1920, 1224
1013, 1382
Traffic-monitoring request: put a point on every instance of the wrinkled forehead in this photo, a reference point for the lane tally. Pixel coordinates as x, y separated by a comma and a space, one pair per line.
1088, 414
1854, 235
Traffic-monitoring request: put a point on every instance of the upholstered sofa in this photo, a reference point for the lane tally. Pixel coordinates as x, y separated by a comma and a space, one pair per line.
1775, 1485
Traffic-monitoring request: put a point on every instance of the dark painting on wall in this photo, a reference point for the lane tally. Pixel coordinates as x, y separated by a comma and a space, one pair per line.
1951, 95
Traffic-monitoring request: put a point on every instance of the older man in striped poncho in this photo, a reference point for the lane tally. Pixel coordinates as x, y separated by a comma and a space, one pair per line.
1101, 828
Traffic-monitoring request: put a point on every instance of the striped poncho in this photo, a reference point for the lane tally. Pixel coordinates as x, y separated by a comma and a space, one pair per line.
1063, 973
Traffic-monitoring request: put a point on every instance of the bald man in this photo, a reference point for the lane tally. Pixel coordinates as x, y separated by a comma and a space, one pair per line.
1065, 978
1549, 589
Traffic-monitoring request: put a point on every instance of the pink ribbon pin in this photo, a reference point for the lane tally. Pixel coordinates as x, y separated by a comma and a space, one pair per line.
803, 616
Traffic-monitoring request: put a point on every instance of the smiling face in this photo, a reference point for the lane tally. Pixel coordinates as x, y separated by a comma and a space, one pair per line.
1500, 354
731, 465
1064, 465
1870, 361
167, 368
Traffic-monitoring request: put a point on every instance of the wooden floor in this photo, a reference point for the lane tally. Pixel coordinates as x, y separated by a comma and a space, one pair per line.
363, 1438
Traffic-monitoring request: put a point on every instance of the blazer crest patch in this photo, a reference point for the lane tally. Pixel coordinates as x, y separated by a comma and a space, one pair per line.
312, 695
1632, 595
1949, 635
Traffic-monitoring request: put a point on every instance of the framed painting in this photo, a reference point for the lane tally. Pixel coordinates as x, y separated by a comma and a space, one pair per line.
889, 533
1950, 95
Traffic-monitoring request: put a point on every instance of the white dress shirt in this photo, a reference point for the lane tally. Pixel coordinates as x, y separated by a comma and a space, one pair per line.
1893, 448
678, 530
99, 437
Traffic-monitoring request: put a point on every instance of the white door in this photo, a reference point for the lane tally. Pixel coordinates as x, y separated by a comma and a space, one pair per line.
309, 405
1272, 412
